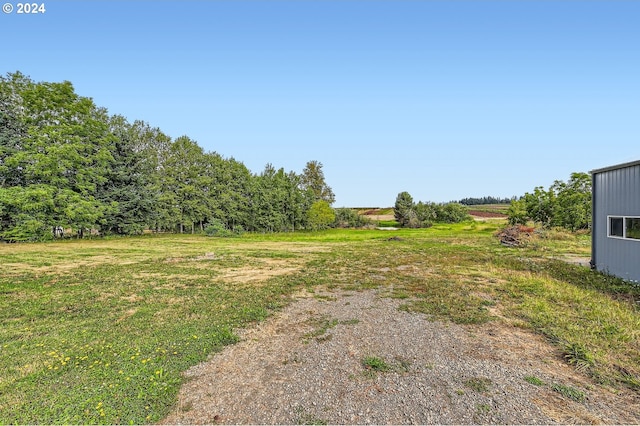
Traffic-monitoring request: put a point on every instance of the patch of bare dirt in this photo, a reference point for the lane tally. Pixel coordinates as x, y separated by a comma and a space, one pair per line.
305, 366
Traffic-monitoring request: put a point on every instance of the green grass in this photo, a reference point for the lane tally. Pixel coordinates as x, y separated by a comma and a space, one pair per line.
388, 223
100, 331
478, 384
569, 392
534, 380
490, 208
107, 341
376, 364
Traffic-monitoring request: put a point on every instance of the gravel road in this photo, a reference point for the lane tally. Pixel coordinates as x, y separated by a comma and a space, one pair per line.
305, 366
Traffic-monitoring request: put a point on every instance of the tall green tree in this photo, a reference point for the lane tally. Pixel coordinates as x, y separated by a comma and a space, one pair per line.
183, 179
63, 149
25, 212
540, 205
127, 193
12, 128
231, 192
564, 204
572, 208
64, 162
297, 202
153, 147
313, 180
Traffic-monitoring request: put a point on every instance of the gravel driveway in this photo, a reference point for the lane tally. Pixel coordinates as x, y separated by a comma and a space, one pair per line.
305, 366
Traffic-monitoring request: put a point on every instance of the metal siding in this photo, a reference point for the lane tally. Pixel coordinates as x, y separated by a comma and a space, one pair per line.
616, 192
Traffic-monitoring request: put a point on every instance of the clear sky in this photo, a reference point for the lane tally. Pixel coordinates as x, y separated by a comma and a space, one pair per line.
443, 99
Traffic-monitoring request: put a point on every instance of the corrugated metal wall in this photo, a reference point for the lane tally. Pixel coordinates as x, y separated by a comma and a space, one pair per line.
616, 192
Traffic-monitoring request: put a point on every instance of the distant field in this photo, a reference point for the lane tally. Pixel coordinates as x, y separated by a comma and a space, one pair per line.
375, 211
381, 216
480, 211
101, 331
489, 210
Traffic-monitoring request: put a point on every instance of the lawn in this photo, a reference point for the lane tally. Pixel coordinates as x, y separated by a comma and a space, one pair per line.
99, 331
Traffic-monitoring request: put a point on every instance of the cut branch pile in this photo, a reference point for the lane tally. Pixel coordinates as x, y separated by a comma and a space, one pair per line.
515, 236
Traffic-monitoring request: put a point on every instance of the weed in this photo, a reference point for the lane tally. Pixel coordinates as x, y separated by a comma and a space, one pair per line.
483, 408
399, 294
305, 418
569, 392
478, 384
401, 365
296, 359
322, 326
534, 380
186, 407
325, 298
577, 355
324, 338
376, 364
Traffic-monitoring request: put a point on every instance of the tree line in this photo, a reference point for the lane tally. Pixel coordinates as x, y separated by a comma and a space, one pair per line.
65, 163
477, 201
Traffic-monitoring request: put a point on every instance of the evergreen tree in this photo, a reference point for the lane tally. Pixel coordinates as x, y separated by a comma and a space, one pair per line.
403, 208
130, 202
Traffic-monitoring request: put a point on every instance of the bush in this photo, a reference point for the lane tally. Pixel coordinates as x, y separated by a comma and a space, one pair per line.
349, 218
517, 213
426, 213
422, 215
27, 229
320, 215
217, 229
452, 213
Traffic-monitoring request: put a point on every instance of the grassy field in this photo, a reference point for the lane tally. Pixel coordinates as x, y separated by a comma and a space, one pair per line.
100, 331
501, 209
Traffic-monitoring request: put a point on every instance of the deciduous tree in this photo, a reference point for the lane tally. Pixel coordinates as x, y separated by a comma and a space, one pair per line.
313, 180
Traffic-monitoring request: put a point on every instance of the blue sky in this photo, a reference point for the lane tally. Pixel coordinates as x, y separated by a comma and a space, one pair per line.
444, 100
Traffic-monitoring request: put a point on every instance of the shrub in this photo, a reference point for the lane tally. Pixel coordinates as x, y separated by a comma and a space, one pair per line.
217, 229
27, 229
426, 213
320, 215
517, 213
422, 215
349, 218
452, 213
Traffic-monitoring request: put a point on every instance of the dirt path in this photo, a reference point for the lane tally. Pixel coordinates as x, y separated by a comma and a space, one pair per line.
304, 366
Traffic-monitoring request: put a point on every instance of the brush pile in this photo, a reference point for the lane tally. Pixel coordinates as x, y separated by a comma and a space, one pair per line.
515, 236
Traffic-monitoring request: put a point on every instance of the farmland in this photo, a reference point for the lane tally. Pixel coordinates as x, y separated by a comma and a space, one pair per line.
100, 331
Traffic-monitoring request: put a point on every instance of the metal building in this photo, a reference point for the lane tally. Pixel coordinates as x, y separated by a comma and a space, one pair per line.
615, 232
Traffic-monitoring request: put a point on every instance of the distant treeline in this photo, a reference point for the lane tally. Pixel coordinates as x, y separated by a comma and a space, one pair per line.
65, 163
485, 200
